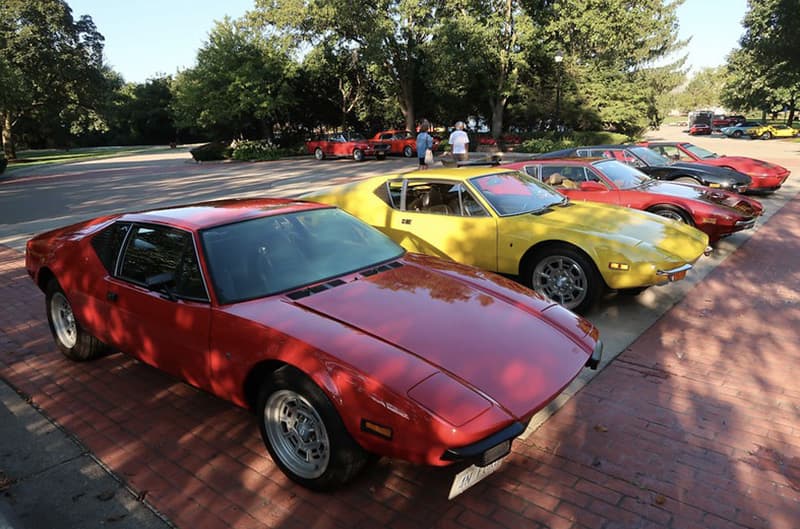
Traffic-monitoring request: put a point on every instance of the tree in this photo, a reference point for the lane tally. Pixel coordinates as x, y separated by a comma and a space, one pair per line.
387, 34
704, 89
50, 65
240, 85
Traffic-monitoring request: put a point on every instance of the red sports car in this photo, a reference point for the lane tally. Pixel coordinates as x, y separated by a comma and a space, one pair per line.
346, 145
339, 341
716, 212
400, 142
700, 128
765, 176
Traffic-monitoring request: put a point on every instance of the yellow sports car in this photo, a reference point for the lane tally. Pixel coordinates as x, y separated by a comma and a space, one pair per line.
767, 132
508, 222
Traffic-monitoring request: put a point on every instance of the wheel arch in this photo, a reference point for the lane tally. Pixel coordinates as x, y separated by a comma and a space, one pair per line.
527, 258
43, 278
261, 370
687, 215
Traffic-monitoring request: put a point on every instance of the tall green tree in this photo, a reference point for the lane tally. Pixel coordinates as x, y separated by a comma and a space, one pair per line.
611, 47
50, 65
390, 35
239, 86
704, 89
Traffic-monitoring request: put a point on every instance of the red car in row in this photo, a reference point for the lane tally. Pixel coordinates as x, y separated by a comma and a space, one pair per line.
346, 145
764, 176
341, 343
401, 142
716, 212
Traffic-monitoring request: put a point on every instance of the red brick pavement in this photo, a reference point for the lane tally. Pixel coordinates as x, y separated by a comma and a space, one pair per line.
695, 425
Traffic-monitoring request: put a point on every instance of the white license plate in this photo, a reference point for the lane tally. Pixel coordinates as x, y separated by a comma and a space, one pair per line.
470, 476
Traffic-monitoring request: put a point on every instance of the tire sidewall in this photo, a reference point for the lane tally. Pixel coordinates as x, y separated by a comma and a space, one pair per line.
358, 155
346, 456
85, 347
595, 284
408, 152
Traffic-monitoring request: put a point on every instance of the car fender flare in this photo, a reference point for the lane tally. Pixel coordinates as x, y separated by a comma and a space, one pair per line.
318, 374
525, 261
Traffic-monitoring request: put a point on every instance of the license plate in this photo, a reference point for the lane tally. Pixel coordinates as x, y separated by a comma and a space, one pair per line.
470, 476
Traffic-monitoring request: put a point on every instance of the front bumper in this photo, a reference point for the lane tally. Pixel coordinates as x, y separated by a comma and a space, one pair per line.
674, 274
488, 450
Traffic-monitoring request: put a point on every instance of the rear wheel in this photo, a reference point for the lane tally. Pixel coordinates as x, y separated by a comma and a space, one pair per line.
566, 276
737, 134
358, 155
671, 212
73, 341
304, 434
319, 154
408, 152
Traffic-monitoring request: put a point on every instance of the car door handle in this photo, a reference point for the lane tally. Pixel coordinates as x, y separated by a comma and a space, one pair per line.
112, 296
405, 221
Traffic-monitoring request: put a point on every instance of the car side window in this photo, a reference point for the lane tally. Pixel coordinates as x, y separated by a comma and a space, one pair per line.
672, 152
153, 251
442, 198
108, 242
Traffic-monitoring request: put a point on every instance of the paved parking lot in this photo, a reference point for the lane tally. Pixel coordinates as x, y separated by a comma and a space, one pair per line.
693, 425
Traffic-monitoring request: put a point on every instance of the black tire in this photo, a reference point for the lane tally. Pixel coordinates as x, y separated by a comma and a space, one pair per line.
565, 275
323, 456
737, 134
688, 180
766, 136
72, 340
319, 154
358, 155
380, 156
631, 291
408, 152
672, 212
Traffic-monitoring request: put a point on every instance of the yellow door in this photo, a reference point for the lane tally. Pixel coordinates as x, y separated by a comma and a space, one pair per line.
443, 219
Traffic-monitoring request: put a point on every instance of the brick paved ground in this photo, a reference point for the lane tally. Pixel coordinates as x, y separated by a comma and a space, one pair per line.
694, 426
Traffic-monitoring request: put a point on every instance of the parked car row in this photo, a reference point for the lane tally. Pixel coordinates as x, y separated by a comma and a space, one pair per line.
354, 145
374, 318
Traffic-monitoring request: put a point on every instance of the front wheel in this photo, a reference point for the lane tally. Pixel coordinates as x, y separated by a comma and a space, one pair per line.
319, 154
566, 276
72, 340
408, 152
737, 133
304, 434
673, 213
358, 155
766, 136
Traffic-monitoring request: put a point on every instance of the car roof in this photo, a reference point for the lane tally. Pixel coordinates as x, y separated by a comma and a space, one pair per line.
219, 212
450, 173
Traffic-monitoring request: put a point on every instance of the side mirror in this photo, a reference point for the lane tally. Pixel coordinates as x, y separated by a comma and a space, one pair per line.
592, 186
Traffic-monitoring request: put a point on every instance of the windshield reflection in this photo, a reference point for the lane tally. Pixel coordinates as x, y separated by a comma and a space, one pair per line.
649, 156
515, 193
701, 153
622, 175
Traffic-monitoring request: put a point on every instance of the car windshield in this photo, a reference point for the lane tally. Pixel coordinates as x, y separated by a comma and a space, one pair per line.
355, 136
514, 193
700, 152
624, 176
649, 156
268, 255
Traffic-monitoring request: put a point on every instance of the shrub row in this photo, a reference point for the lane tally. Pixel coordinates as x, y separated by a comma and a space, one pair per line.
242, 150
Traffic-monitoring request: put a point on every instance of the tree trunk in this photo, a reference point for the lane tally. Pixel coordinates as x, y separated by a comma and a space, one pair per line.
8, 141
498, 106
407, 104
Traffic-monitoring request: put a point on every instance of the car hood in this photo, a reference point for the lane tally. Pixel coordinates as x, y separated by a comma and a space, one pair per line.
719, 172
510, 352
626, 230
750, 166
744, 205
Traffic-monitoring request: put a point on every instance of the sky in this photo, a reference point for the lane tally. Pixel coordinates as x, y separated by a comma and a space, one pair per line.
146, 38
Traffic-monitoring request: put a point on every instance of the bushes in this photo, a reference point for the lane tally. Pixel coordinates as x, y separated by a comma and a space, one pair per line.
216, 150
571, 139
3, 164
256, 151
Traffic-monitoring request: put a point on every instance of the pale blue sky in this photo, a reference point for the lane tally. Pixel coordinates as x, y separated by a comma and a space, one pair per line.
150, 37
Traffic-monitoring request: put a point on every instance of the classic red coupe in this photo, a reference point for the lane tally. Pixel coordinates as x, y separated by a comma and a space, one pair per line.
346, 145
699, 128
765, 176
716, 212
340, 342
401, 142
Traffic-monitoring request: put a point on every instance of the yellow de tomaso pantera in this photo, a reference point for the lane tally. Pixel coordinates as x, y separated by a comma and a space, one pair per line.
508, 222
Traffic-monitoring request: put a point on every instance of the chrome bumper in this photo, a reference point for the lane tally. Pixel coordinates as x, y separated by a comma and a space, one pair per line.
671, 273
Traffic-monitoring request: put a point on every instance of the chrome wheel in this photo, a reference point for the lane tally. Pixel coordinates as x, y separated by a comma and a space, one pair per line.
358, 155
297, 434
670, 214
408, 152
64, 326
561, 279
318, 154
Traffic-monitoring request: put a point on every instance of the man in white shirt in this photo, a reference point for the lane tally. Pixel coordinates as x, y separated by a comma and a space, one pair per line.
459, 141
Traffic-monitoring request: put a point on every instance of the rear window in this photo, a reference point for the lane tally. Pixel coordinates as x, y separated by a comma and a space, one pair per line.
108, 242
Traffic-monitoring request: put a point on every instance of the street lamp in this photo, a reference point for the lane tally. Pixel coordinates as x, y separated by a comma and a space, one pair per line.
559, 57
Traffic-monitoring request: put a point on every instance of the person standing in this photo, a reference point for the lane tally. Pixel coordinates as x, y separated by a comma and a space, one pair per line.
424, 145
459, 141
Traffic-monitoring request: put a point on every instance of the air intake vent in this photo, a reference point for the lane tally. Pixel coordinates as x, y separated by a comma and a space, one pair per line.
304, 293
